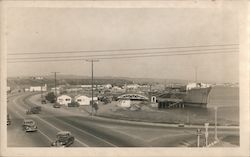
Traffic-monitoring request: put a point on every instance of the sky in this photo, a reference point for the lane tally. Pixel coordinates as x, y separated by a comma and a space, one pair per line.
41, 30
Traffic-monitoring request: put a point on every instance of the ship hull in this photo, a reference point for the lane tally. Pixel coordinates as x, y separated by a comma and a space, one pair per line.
197, 97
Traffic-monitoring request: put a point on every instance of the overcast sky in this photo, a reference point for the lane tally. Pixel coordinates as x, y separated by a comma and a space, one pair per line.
50, 29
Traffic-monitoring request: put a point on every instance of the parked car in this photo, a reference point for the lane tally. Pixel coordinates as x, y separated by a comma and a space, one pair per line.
63, 139
181, 125
8, 119
44, 101
29, 125
73, 104
34, 110
56, 105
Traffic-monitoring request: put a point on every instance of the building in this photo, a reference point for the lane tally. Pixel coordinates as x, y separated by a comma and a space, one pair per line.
107, 86
58, 89
37, 78
38, 88
132, 86
124, 103
84, 100
135, 97
64, 100
8, 89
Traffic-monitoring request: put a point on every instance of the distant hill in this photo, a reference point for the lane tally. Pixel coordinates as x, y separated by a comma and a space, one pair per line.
22, 82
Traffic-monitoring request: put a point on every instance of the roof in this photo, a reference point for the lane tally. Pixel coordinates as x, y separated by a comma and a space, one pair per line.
63, 132
133, 97
169, 99
78, 96
64, 96
29, 120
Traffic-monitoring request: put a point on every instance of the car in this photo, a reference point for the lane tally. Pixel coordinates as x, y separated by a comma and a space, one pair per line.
29, 125
181, 125
34, 110
73, 104
56, 105
63, 139
43, 101
8, 119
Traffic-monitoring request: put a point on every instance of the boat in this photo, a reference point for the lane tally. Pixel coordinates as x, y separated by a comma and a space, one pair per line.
197, 95
193, 94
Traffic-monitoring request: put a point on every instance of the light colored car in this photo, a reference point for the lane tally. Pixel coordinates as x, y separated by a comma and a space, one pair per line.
29, 125
181, 125
63, 139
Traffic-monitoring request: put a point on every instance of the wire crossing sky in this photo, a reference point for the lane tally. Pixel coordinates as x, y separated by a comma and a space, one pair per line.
129, 42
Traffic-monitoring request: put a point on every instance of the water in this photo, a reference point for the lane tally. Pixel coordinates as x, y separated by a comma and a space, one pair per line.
226, 99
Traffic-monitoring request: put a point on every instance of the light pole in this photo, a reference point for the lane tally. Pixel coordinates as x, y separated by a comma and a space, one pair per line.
92, 81
206, 133
55, 85
215, 123
198, 137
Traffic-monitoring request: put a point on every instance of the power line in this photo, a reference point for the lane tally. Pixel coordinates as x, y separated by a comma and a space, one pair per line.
115, 50
122, 54
128, 57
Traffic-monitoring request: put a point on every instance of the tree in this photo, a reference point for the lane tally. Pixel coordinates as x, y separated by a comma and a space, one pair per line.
50, 97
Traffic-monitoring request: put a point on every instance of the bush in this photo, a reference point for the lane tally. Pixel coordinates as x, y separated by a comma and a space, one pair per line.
51, 97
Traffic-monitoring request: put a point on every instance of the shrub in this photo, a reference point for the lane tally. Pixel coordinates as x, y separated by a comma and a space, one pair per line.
51, 97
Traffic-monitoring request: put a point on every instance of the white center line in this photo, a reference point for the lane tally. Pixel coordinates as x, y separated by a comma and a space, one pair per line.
89, 134
21, 108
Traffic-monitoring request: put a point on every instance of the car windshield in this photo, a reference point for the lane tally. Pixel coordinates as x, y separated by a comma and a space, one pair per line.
62, 137
29, 123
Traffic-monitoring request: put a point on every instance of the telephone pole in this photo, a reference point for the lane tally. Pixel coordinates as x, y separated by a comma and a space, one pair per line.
92, 82
215, 124
55, 84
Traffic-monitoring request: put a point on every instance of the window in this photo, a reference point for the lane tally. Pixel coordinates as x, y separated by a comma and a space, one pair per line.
79, 100
67, 99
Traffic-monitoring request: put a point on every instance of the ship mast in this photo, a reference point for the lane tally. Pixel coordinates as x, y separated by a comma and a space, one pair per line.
195, 68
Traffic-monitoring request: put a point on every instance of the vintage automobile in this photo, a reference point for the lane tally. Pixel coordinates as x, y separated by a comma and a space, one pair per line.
8, 119
63, 139
73, 104
56, 105
34, 110
181, 125
44, 101
29, 125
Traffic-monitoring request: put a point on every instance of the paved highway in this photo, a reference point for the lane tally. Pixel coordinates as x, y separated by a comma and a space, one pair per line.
91, 132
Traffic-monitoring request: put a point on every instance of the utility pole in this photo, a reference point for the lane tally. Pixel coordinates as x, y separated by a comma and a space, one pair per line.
206, 133
92, 82
215, 124
55, 85
150, 92
198, 137
41, 91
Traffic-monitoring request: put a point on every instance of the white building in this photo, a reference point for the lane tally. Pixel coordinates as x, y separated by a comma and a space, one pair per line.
64, 100
84, 100
38, 88
132, 86
196, 85
108, 86
124, 103
8, 88
58, 89
86, 86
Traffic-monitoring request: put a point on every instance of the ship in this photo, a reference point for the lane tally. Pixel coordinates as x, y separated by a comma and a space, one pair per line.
190, 95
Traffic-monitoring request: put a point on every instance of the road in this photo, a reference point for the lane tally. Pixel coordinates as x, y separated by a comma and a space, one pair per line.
92, 131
